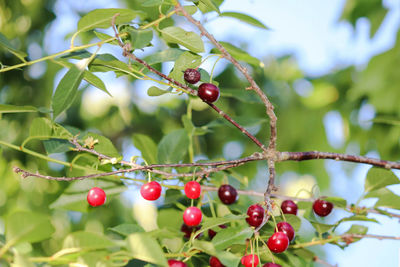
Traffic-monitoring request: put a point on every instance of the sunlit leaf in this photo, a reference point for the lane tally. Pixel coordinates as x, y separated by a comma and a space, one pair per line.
145, 248
66, 90
173, 147
245, 18
177, 35
378, 178
16, 109
146, 146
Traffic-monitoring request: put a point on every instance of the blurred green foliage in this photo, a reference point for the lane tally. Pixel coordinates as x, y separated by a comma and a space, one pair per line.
59, 209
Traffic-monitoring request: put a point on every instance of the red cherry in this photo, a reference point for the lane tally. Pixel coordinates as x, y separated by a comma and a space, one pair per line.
175, 263
289, 207
250, 260
286, 228
192, 216
256, 215
151, 190
192, 76
278, 242
214, 262
187, 230
270, 264
322, 208
227, 194
212, 233
96, 197
192, 189
208, 92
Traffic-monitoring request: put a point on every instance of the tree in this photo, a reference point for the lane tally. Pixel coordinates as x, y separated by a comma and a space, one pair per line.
62, 149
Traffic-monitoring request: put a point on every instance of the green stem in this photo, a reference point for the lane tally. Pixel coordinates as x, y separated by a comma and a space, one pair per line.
157, 21
73, 49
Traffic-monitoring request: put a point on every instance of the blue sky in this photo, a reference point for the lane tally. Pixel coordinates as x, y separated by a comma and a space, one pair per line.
311, 32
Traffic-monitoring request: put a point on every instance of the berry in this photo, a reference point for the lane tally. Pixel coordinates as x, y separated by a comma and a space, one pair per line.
322, 208
175, 263
286, 228
208, 92
289, 207
96, 197
278, 242
270, 264
256, 215
212, 233
191, 76
227, 194
151, 190
189, 230
192, 216
250, 260
214, 262
192, 189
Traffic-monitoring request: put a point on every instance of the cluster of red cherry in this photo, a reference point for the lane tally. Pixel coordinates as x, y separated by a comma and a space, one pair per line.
192, 217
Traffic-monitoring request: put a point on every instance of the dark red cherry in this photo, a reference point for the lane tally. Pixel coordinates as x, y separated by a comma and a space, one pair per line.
227, 194
188, 230
212, 233
286, 228
289, 207
256, 215
175, 263
208, 92
322, 208
214, 262
250, 260
192, 76
270, 264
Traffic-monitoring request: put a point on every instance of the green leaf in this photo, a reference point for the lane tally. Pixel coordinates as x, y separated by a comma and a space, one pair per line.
378, 178
357, 229
101, 18
57, 146
190, 40
107, 62
24, 226
173, 147
241, 95
95, 81
170, 54
145, 248
103, 36
136, 37
227, 258
151, 3
322, 228
40, 127
386, 198
337, 201
4, 43
232, 235
155, 91
126, 229
357, 218
239, 54
245, 18
66, 90
87, 240
169, 218
104, 145
16, 109
208, 5
146, 146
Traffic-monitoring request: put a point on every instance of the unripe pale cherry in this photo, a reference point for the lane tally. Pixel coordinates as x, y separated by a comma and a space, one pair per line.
192, 189
96, 197
270, 264
151, 190
192, 216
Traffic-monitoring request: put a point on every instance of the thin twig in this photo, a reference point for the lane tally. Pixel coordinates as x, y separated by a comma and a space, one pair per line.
311, 155
321, 261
